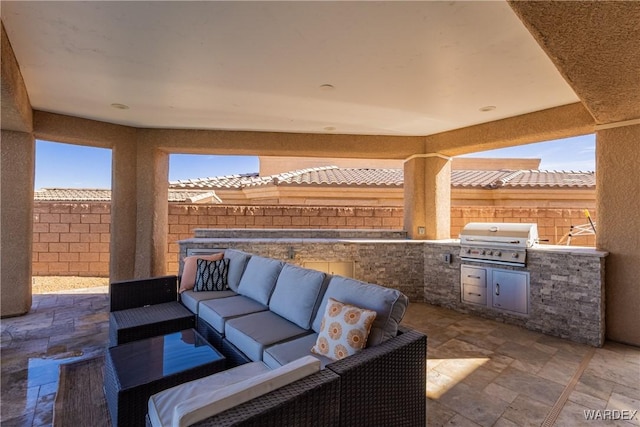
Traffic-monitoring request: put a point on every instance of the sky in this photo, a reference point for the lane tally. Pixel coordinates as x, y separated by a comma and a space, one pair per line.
72, 166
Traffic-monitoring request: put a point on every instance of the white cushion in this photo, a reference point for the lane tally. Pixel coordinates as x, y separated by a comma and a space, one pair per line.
205, 405
161, 404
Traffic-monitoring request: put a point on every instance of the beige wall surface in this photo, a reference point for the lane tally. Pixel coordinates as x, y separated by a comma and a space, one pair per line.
16, 207
618, 201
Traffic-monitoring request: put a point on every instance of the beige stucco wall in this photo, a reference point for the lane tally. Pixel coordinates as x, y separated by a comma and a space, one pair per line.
618, 200
427, 201
152, 188
122, 246
16, 212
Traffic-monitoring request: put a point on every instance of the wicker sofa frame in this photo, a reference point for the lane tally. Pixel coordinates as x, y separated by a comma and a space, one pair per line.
379, 386
143, 308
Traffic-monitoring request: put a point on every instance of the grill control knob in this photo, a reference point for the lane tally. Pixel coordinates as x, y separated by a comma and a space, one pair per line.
468, 250
482, 252
490, 253
514, 255
497, 253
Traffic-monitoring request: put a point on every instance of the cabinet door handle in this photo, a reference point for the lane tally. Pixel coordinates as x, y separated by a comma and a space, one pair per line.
471, 293
473, 277
497, 288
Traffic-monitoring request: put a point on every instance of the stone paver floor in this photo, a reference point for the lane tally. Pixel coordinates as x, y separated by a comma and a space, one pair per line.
479, 372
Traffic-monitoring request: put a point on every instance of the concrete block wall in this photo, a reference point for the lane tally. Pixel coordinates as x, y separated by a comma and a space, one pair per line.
71, 239
553, 223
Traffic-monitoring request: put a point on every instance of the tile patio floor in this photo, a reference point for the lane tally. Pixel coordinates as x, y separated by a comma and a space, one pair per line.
479, 372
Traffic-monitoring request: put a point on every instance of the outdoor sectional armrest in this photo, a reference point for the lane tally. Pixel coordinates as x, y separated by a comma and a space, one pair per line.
135, 293
389, 380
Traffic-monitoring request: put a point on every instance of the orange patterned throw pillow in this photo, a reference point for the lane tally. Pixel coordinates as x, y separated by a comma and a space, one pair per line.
344, 330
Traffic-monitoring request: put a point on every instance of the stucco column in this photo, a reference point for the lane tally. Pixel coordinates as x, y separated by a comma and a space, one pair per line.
618, 228
152, 213
427, 196
16, 210
123, 211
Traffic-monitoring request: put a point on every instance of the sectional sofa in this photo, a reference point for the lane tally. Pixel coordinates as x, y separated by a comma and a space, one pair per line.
266, 321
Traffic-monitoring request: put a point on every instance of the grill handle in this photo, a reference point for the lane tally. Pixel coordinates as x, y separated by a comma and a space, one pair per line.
513, 242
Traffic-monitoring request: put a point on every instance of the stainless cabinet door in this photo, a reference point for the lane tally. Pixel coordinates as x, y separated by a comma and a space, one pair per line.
510, 291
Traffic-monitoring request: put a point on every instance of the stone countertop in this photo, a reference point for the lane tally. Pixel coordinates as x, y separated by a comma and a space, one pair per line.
205, 240
572, 250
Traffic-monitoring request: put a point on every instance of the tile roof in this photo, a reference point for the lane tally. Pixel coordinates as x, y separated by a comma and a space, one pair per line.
227, 181
334, 175
72, 194
522, 179
101, 195
193, 190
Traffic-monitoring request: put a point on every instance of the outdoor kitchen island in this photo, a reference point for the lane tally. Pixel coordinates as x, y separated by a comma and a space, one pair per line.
565, 296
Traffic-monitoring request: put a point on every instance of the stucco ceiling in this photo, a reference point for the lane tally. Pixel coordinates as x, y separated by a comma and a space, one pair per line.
396, 68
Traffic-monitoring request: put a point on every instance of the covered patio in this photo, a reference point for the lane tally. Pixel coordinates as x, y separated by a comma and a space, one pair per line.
554, 69
415, 81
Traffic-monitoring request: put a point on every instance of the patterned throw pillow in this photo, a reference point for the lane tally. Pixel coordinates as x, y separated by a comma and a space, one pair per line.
212, 275
344, 330
188, 279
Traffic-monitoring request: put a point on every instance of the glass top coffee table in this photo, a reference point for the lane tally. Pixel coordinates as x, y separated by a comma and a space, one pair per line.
136, 370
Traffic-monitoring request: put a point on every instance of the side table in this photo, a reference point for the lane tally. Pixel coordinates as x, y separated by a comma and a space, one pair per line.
136, 370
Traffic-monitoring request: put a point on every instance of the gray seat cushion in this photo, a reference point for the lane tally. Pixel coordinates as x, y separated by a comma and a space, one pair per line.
297, 294
389, 304
237, 263
283, 353
252, 333
218, 311
259, 278
191, 299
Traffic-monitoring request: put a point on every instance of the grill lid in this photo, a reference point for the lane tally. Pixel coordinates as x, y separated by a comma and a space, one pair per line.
509, 235
497, 243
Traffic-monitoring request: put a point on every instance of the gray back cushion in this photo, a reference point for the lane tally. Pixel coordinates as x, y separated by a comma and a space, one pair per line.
259, 278
389, 304
237, 263
296, 294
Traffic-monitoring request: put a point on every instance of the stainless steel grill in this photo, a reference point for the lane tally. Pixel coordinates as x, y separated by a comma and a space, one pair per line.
497, 243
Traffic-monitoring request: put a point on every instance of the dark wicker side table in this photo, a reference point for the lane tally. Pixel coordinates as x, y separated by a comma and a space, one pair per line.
136, 370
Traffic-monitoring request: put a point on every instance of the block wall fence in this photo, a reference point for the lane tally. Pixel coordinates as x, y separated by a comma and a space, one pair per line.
72, 238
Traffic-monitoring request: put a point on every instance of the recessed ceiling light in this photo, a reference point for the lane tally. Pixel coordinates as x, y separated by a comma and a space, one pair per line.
120, 106
326, 86
487, 108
